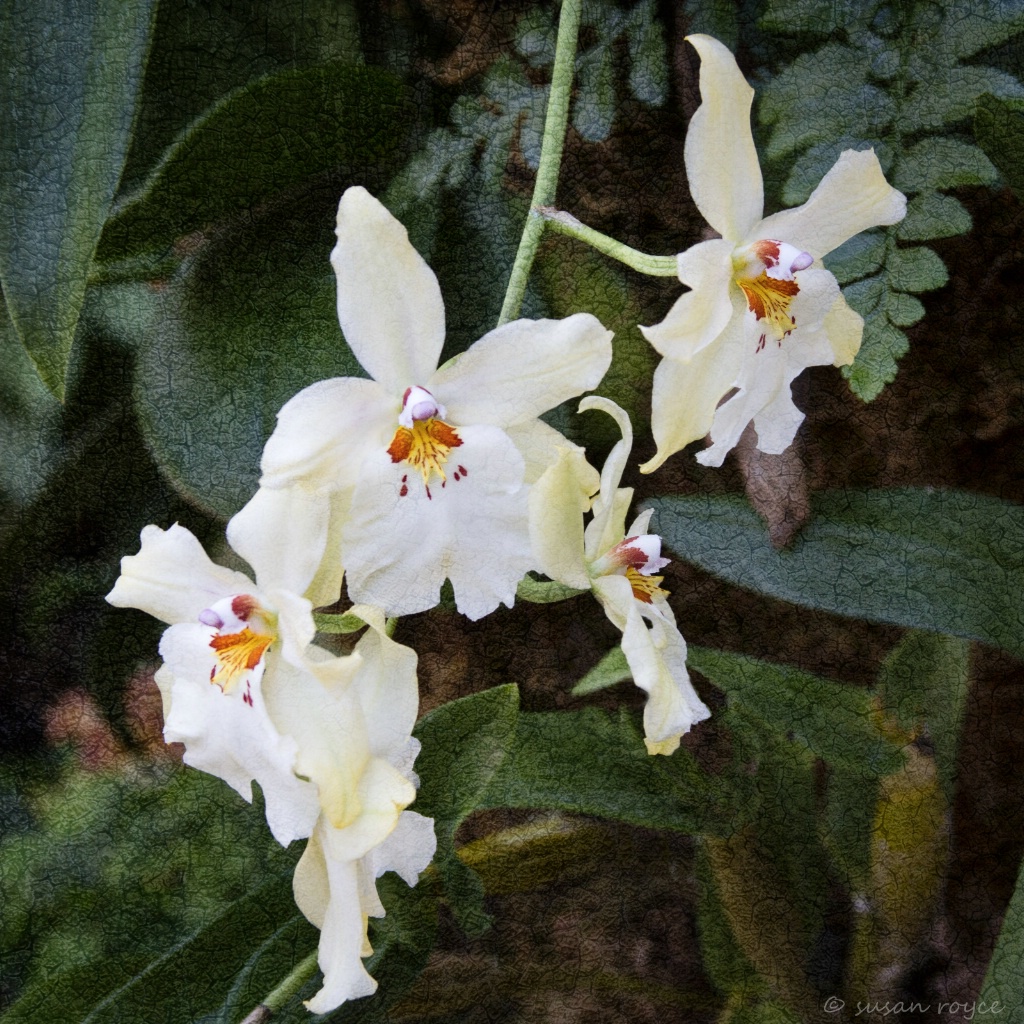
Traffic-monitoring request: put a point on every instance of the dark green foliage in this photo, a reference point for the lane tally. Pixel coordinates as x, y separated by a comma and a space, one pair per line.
892, 77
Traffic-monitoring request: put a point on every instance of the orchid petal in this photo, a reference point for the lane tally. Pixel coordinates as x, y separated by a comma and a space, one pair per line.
325, 431
172, 578
852, 197
520, 370
232, 734
557, 504
389, 302
610, 506
282, 534
542, 446
845, 329
327, 891
721, 163
686, 395
408, 850
657, 660
474, 529
698, 316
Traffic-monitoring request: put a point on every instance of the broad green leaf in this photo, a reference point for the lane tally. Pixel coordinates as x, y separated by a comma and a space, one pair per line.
590, 763
1004, 980
974, 25
952, 94
942, 163
845, 827
67, 998
464, 743
247, 323
194, 978
535, 37
611, 669
269, 963
881, 349
932, 215
925, 680
916, 270
861, 255
594, 107
29, 424
72, 72
263, 139
945, 561
716, 18
999, 129
833, 721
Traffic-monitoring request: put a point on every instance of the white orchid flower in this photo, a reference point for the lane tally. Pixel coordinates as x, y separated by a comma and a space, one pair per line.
619, 566
421, 473
236, 671
761, 308
335, 879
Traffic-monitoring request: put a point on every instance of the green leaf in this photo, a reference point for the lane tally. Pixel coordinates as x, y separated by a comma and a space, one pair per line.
952, 94
67, 998
1004, 980
594, 108
611, 669
648, 73
833, 721
861, 255
263, 139
999, 129
535, 37
975, 25
903, 311
194, 978
864, 296
464, 743
590, 763
72, 72
881, 349
787, 16
849, 814
946, 561
247, 323
932, 215
822, 96
925, 680
29, 423
916, 270
942, 163
716, 18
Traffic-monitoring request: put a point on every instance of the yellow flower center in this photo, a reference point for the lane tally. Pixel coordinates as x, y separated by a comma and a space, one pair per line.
425, 447
645, 588
237, 653
765, 271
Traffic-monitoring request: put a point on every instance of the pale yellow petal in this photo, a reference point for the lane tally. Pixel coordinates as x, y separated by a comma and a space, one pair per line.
721, 162
686, 394
852, 197
557, 503
844, 328
700, 315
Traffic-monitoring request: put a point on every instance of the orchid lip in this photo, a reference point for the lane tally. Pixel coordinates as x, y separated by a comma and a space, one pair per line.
418, 404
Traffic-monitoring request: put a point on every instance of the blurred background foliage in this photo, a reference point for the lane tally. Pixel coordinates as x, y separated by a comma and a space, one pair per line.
849, 822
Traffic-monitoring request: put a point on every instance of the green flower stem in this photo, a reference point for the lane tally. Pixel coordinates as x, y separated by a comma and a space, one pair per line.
567, 224
550, 156
302, 973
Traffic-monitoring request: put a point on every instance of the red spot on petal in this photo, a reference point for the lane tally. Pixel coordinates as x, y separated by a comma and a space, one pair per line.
462, 469
767, 251
404, 491
243, 605
430, 497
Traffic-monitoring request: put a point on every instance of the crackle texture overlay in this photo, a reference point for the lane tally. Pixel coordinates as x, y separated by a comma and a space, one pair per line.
255, 263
